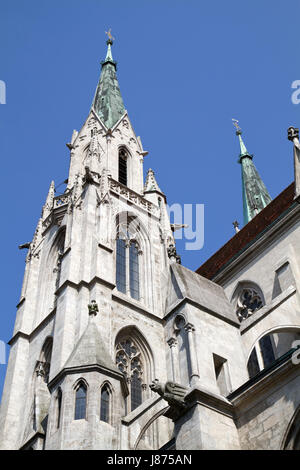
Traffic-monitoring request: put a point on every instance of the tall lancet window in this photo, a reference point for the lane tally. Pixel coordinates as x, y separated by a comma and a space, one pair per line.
128, 259
129, 361
59, 403
80, 401
105, 404
121, 265
123, 167
134, 270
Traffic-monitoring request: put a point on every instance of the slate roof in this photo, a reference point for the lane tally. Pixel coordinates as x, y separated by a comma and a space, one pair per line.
108, 103
209, 295
249, 233
91, 350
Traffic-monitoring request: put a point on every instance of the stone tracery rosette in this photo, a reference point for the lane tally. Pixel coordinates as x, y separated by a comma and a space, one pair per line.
249, 301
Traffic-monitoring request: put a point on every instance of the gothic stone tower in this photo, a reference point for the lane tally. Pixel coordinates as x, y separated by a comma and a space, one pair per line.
92, 300
106, 309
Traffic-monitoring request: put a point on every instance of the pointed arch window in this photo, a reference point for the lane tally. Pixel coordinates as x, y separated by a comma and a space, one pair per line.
59, 403
136, 390
129, 361
121, 265
123, 166
134, 270
105, 404
128, 259
80, 401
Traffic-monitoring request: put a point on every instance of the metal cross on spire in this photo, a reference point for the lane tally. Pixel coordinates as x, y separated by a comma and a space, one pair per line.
110, 37
235, 122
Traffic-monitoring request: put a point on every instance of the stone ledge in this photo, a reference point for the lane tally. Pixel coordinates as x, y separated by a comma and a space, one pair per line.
28, 336
89, 368
201, 396
77, 285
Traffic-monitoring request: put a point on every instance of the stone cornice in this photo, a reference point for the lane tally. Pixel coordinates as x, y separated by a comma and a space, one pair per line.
29, 336
202, 396
89, 368
77, 285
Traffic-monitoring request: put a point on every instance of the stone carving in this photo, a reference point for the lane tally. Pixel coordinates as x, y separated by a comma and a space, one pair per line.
132, 196
249, 301
172, 392
172, 254
42, 370
93, 308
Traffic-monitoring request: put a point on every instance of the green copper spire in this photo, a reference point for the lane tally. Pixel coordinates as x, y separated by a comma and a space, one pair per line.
108, 103
255, 194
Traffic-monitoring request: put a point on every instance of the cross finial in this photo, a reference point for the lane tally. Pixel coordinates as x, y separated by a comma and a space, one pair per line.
235, 122
110, 37
236, 226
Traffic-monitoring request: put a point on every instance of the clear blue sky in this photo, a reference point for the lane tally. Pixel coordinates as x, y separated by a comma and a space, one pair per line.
185, 68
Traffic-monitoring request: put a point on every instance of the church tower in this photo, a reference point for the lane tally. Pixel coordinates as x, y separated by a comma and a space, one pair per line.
90, 315
118, 346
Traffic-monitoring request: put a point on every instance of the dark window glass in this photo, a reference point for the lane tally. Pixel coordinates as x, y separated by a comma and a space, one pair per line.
104, 408
122, 167
267, 350
136, 391
253, 367
121, 265
59, 401
80, 404
134, 271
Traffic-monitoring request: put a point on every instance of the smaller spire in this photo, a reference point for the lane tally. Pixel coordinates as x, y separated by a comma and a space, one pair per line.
255, 193
151, 183
108, 103
49, 201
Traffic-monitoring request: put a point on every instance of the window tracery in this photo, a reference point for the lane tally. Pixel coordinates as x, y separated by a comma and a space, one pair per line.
249, 301
129, 361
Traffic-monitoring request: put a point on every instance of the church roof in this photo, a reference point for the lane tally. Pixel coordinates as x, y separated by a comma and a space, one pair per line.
187, 284
91, 350
108, 103
249, 233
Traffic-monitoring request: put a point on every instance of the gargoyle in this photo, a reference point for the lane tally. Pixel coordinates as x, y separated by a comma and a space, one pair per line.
172, 392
